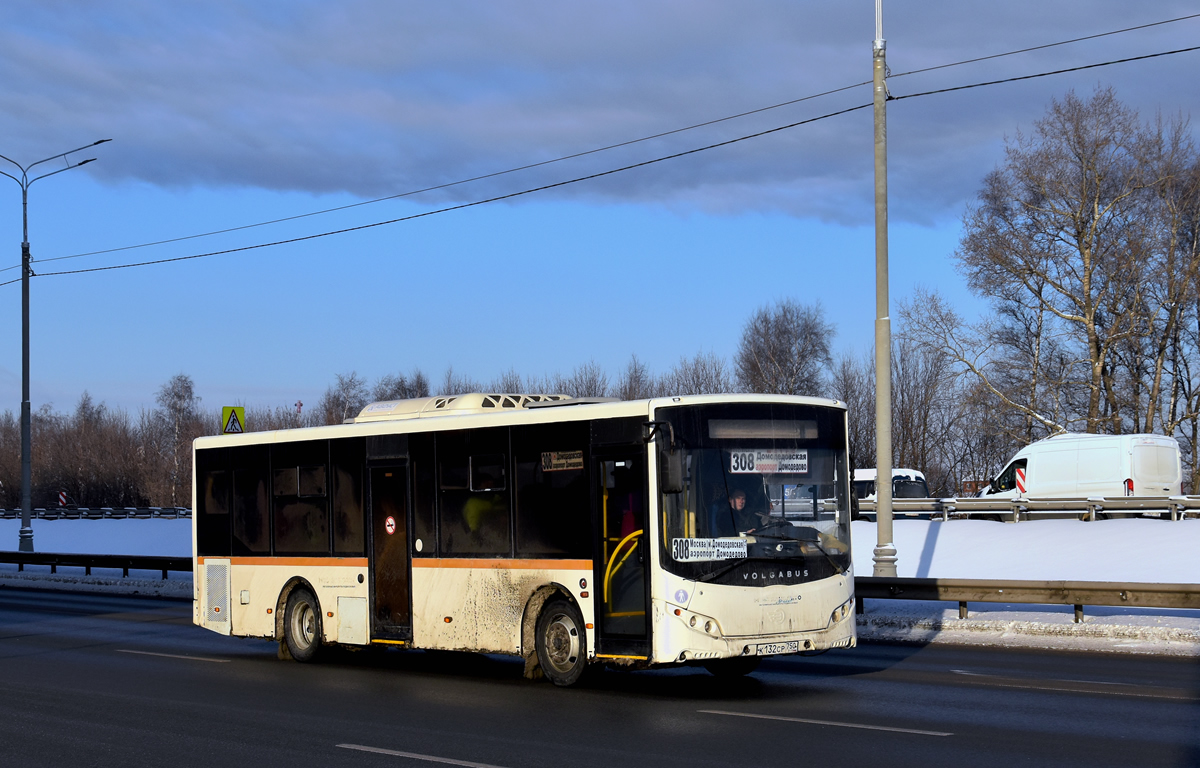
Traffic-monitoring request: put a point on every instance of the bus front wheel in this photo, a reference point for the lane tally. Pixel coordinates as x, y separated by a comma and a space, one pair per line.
561, 643
302, 625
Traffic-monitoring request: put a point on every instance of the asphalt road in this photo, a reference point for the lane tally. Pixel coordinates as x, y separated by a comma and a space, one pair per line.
89, 680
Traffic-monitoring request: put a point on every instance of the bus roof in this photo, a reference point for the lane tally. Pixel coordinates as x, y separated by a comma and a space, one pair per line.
471, 410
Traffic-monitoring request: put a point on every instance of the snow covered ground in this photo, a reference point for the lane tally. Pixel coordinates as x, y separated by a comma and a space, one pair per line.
1132, 550
1135, 550
152, 536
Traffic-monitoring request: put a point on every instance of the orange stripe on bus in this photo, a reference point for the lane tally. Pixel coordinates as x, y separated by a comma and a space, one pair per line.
360, 562
472, 562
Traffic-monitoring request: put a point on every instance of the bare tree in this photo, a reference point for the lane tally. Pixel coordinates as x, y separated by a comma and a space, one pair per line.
587, 380
853, 382
705, 374
455, 384
784, 350
177, 421
509, 381
636, 381
1056, 222
345, 398
400, 387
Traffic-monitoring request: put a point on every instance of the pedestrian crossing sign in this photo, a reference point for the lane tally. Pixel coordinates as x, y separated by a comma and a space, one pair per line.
233, 420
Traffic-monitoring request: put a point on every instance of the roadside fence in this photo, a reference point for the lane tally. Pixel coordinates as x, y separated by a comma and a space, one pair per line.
99, 513
1015, 510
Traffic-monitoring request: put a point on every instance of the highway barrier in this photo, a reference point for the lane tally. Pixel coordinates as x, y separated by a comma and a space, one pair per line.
99, 513
1075, 593
1015, 510
125, 562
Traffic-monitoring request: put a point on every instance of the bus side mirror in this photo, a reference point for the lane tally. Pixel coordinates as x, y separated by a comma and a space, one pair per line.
670, 471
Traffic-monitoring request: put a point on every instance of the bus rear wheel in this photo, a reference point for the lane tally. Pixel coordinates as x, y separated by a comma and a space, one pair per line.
302, 625
561, 643
739, 666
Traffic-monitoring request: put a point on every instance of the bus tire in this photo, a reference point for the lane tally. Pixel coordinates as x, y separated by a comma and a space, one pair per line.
302, 625
739, 666
561, 643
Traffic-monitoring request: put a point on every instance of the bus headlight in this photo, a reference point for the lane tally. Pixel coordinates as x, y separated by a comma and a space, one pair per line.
842, 611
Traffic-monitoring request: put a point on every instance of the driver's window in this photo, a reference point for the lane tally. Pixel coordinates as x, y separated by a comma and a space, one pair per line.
1007, 480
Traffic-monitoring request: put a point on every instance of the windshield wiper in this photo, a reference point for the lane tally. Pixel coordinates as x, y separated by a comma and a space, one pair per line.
828, 556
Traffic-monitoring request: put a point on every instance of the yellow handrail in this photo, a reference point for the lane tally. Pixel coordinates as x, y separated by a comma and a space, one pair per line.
608, 572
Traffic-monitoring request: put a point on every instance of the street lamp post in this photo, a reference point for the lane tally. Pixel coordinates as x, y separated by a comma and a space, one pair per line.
26, 533
885, 550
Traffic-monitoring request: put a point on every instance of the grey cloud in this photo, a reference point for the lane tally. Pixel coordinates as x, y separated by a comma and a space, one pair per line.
374, 98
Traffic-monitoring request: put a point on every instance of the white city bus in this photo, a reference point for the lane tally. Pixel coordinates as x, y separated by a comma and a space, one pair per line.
708, 530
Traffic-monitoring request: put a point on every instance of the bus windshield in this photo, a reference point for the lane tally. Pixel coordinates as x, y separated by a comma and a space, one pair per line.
765, 498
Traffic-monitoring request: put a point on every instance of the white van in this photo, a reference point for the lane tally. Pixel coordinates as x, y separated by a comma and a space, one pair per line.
906, 484
1077, 466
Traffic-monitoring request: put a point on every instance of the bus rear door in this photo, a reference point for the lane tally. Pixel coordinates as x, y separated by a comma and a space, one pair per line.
391, 598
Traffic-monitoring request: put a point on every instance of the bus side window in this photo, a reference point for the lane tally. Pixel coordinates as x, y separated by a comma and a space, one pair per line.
473, 508
300, 514
212, 496
347, 459
552, 501
424, 495
251, 505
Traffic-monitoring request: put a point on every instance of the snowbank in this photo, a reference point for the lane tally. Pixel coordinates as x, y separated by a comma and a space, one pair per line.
1131, 550
152, 536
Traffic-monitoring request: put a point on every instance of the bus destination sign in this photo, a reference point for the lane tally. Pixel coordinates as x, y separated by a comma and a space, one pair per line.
703, 550
768, 462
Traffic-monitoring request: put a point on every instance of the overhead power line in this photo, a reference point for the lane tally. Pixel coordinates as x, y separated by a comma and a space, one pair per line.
588, 177
1048, 45
608, 147
1046, 74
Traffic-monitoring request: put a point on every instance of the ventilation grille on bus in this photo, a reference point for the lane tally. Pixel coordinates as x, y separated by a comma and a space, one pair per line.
516, 401
216, 592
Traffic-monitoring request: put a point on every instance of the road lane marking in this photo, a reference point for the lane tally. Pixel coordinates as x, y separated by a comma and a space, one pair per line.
827, 722
1074, 686
173, 656
415, 756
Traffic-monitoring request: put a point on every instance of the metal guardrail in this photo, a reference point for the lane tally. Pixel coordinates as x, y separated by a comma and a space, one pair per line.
99, 513
1076, 593
1014, 510
125, 562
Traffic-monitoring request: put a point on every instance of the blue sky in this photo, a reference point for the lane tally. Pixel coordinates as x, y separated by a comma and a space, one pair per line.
226, 114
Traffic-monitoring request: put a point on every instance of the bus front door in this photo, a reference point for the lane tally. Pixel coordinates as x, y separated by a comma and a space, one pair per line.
391, 615
623, 629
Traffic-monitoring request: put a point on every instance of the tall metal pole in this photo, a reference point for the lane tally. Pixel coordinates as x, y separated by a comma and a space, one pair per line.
885, 550
25, 535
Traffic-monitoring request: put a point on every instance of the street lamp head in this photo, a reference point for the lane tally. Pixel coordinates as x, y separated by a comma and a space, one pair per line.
85, 162
101, 141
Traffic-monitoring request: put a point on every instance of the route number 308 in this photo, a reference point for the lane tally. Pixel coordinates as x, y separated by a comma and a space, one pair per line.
742, 461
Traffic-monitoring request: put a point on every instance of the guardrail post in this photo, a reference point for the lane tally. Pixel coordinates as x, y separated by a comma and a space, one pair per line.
1078, 614
962, 609
164, 574
125, 573
859, 606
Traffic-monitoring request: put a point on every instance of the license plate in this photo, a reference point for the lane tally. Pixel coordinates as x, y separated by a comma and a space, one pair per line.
768, 649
